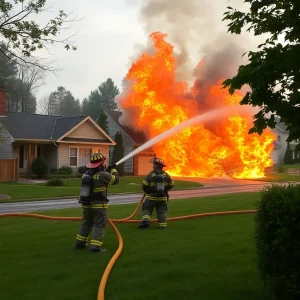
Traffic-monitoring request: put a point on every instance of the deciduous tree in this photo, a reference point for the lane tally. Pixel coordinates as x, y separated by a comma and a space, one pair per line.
273, 71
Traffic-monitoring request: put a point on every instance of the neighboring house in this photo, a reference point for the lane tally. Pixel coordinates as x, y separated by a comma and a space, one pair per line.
138, 164
59, 140
280, 145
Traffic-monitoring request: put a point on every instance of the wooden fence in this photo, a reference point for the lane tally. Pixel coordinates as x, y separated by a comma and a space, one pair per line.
9, 169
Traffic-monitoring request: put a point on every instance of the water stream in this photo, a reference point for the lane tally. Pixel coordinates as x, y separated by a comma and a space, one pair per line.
195, 120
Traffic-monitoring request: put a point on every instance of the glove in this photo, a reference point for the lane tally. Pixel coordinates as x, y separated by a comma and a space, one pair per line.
112, 166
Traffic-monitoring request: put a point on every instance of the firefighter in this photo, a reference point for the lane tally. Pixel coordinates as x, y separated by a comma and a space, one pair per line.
156, 186
95, 211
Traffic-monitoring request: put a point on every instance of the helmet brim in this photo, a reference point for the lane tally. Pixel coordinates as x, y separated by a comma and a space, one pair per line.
159, 165
94, 165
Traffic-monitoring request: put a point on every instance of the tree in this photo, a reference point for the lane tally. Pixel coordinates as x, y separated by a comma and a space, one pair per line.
8, 67
69, 107
108, 92
118, 152
22, 36
61, 103
55, 100
30, 78
102, 121
273, 72
288, 157
101, 98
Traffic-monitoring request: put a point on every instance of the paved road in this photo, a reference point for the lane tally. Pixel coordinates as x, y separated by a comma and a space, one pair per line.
133, 198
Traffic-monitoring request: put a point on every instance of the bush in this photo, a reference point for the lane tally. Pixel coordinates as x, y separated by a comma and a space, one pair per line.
39, 167
67, 169
59, 172
52, 170
56, 182
277, 231
60, 176
82, 169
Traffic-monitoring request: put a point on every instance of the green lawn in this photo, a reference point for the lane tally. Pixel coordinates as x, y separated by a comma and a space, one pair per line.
72, 188
281, 177
205, 258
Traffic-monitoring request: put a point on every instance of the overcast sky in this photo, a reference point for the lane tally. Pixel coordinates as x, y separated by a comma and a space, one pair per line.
109, 32
105, 39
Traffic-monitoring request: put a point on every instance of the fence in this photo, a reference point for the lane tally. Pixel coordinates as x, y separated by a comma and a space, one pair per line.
9, 169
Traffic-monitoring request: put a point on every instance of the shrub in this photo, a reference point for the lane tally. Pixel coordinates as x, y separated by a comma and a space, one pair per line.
277, 231
59, 176
82, 169
59, 172
39, 167
52, 170
56, 182
67, 169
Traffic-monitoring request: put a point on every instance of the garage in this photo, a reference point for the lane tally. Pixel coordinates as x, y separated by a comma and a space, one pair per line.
144, 165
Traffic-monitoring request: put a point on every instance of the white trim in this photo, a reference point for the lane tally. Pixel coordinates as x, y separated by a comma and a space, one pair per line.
85, 143
77, 161
88, 118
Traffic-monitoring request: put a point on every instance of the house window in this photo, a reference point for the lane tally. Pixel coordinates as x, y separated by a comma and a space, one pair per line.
73, 157
278, 138
81, 156
84, 156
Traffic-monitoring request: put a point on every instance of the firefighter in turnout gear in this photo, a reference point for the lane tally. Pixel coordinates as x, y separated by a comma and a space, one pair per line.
94, 201
156, 186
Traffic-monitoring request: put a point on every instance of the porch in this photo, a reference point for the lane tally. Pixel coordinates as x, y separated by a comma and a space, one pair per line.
26, 152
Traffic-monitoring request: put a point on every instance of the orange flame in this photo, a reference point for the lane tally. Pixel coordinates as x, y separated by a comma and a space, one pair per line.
222, 147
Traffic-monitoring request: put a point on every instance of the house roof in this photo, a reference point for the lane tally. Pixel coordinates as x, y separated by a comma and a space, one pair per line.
40, 127
137, 136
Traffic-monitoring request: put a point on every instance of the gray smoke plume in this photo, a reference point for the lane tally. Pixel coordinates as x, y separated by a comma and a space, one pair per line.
196, 30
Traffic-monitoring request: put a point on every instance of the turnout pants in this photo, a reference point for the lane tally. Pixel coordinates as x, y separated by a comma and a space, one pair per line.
94, 219
161, 211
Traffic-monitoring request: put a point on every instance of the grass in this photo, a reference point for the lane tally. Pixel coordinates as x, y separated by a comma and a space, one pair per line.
72, 188
206, 258
281, 177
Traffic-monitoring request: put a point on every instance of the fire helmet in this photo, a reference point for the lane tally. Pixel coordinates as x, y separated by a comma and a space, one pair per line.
96, 160
157, 162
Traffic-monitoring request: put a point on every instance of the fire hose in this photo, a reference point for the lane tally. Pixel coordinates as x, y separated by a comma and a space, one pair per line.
102, 285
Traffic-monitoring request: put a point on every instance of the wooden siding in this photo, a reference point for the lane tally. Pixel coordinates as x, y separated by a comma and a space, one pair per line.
64, 152
87, 130
9, 169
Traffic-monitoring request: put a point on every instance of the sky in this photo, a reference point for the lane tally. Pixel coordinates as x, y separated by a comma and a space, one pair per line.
105, 37
110, 33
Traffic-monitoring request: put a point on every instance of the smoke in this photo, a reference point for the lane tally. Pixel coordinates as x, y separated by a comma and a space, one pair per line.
196, 30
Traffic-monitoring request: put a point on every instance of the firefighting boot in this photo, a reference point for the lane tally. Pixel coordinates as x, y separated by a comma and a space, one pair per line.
80, 246
144, 225
96, 250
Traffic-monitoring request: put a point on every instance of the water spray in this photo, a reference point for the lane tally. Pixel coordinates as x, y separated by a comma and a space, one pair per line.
200, 118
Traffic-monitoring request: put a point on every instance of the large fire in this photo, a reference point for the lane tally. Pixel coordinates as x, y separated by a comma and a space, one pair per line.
221, 147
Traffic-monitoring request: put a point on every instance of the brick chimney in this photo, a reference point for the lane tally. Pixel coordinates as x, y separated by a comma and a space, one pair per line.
2, 102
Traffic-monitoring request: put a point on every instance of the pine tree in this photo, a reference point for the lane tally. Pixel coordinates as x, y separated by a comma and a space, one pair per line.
118, 152
288, 157
102, 121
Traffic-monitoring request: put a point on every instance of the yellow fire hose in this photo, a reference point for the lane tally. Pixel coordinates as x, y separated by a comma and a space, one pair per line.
111, 222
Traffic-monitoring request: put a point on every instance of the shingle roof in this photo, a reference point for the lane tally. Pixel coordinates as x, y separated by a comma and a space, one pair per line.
138, 137
34, 126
